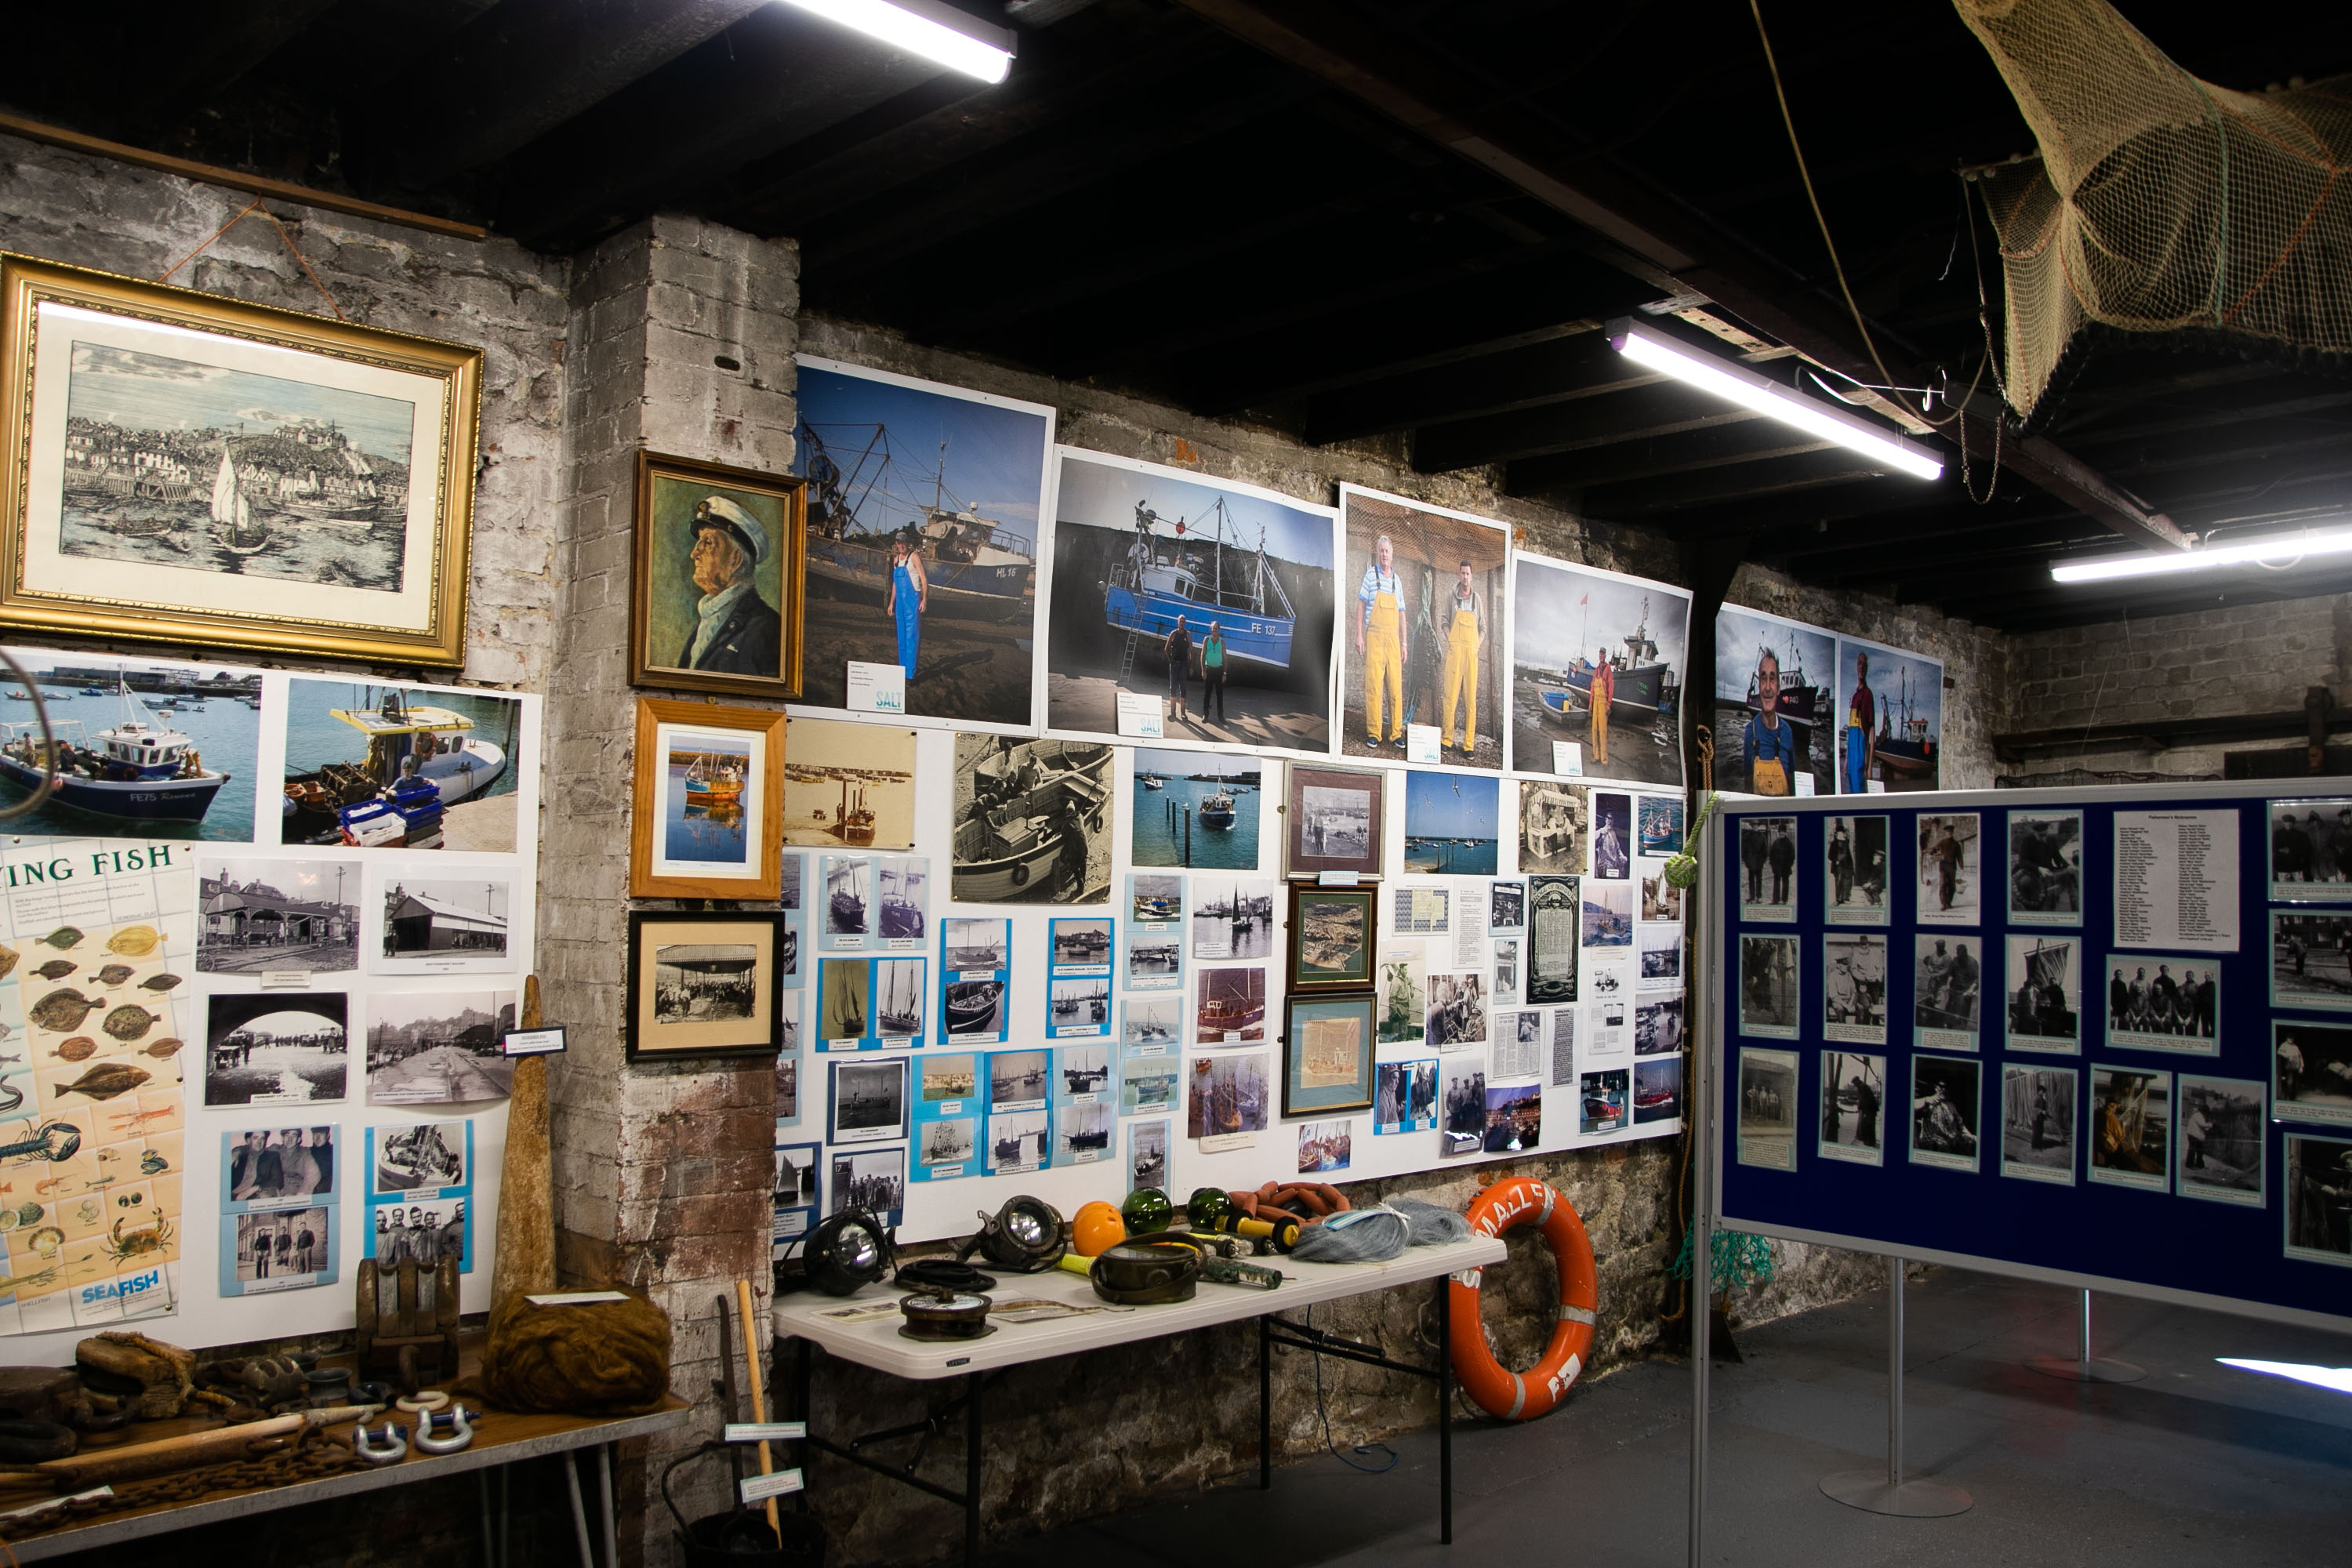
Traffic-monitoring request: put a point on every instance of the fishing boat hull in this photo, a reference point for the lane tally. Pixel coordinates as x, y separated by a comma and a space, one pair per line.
984, 589
1909, 759
127, 800
1639, 692
1007, 854
971, 1005
1260, 640
699, 793
1217, 818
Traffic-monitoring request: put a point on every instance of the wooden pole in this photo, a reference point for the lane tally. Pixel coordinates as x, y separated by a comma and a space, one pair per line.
759, 1395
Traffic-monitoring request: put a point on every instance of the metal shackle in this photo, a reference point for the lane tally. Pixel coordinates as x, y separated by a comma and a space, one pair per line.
386, 1444
456, 1421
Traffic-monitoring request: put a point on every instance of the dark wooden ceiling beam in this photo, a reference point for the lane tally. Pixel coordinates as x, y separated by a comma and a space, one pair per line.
1639, 500
1607, 402
1505, 380
1694, 449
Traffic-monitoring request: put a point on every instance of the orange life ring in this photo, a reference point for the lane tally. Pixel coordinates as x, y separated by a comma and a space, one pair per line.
1514, 1395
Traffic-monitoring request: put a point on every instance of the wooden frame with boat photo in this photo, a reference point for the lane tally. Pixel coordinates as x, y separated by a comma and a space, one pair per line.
239, 477
1331, 938
708, 802
718, 562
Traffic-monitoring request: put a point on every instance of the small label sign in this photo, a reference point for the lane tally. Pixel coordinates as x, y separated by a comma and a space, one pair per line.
1421, 743
1141, 715
1336, 878
285, 980
575, 1298
758, 1489
766, 1431
533, 1042
1568, 759
876, 687
1804, 783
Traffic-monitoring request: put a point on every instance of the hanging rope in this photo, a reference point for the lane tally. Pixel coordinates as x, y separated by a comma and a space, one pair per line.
300, 260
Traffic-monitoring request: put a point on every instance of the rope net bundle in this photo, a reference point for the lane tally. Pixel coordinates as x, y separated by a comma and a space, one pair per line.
2161, 203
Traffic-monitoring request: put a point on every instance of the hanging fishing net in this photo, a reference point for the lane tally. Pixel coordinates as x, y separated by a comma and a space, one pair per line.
2161, 203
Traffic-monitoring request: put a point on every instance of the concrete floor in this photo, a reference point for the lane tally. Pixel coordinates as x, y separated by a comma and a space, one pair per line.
2200, 1463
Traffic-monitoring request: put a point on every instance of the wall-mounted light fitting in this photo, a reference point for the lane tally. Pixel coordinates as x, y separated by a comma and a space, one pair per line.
937, 33
2276, 548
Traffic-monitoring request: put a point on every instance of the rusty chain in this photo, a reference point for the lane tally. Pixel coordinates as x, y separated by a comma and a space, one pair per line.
307, 1460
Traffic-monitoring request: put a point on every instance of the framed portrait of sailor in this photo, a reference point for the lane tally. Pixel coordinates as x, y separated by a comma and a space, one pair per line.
185, 467
715, 597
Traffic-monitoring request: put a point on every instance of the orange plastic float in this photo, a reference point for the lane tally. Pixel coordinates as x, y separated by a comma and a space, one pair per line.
1513, 1396
1095, 1226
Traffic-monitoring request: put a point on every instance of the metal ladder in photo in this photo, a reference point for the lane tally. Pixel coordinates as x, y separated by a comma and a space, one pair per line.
1127, 655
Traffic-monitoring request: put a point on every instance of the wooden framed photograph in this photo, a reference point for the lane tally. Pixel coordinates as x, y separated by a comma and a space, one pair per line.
183, 467
1331, 935
715, 598
708, 802
1327, 1054
702, 986
1332, 821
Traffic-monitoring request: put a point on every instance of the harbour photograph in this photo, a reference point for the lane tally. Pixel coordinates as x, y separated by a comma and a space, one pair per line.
958, 480
1901, 696
1573, 626
394, 767
163, 751
1450, 824
1233, 920
1198, 809
703, 777
849, 783
1248, 575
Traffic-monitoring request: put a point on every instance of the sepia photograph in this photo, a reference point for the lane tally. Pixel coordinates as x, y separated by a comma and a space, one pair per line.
2221, 1128
1602, 1101
874, 1180
2311, 960
2311, 1071
1033, 822
278, 915
1216, 598
924, 503
2311, 850
1555, 927
1457, 1012
1422, 640
1597, 659
1948, 889
1326, 1055
429, 1157
444, 925
1854, 1094
277, 1249
868, 1100
2164, 1003
281, 1165
1768, 986
948, 1079
704, 985
1608, 914
1552, 831
1945, 1093
1404, 1096
396, 767
2046, 868
1507, 906
274, 1048
1853, 890
2045, 993
1462, 1110
1772, 711
1612, 835
1228, 1006
1196, 809
1889, 717
2037, 1123
2131, 1129
2318, 1181
1017, 1080
438, 1047
1661, 900
1767, 865
1853, 988
1946, 992
1147, 1155
849, 785
1229, 1095
1768, 1109
1334, 817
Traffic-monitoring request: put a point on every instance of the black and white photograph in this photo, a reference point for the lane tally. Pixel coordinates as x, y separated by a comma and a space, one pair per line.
2311, 850
444, 925
1768, 986
276, 1166
405, 1230
868, 1102
2311, 1071
1151, 1025
438, 1047
1079, 946
2311, 960
277, 1249
1033, 821
1768, 868
697, 983
846, 916
1507, 906
1552, 831
2164, 1002
1854, 873
1082, 1075
1079, 1008
1223, 593
1944, 1106
1597, 659
1457, 1012
2044, 993
2046, 868
1519, 1044
1768, 1109
1404, 1096
788, 1089
1230, 1096
1657, 1027
1147, 1155
428, 1157
1658, 1089
1658, 957
1081, 1133
1603, 1101
2037, 1123
1948, 881
1613, 834
2131, 1132
278, 915
1506, 971
943, 1147
1555, 928
2319, 1199
1017, 1080
2222, 1127
1854, 1096
277, 1047
1462, 1110
873, 1179
976, 944
1854, 987
1946, 992
1234, 920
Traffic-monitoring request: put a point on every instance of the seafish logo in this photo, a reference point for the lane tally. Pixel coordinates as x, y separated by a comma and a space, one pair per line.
123, 1288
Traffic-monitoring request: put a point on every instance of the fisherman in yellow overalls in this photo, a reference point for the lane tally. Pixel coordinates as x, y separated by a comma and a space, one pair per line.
1465, 639
1380, 641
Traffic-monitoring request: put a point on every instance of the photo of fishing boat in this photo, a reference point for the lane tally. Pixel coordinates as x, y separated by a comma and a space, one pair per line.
1235, 921
1195, 808
1228, 1006
119, 764
1032, 822
974, 1007
1568, 623
1901, 748
849, 785
704, 824
397, 767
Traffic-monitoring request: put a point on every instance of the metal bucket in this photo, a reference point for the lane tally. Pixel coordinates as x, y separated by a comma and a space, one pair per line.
741, 1539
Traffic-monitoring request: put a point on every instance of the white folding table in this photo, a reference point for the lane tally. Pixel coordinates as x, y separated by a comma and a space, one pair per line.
802, 1321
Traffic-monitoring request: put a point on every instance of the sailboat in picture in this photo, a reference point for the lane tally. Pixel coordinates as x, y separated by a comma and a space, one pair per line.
234, 527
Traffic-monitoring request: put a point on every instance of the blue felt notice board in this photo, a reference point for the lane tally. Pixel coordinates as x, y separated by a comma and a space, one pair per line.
2092, 1213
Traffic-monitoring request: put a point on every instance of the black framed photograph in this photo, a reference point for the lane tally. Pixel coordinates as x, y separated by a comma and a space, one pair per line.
703, 985
1330, 946
1327, 1056
1332, 821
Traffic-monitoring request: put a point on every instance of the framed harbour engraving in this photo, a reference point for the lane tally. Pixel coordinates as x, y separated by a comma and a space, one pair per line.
234, 475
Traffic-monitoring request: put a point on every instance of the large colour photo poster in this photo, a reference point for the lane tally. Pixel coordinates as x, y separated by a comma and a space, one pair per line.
1577, 628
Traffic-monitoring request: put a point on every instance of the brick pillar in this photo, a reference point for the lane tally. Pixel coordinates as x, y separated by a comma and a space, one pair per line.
681, 340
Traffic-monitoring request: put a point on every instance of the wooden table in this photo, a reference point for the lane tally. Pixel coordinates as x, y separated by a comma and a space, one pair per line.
802, 1321
501, 1440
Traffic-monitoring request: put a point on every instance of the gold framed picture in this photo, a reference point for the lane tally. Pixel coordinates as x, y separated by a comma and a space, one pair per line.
715, 598
708, 802
183, 467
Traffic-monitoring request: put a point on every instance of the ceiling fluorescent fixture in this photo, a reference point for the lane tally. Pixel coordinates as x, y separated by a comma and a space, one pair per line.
2277, 548
1645, 345
937, 33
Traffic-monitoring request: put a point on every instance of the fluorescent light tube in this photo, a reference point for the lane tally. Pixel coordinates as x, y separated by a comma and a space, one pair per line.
1737, 384
2275, 547
937, 33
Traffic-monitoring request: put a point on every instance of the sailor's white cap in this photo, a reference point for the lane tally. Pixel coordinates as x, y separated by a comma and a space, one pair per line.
718, 511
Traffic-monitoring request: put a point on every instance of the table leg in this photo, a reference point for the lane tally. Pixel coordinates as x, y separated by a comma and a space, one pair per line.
579, 1510
1265, 1404
506, 1515
612, 1524
1444, 1412
971, 1472
804, 1414
490, 1539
